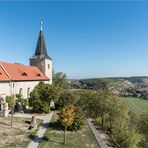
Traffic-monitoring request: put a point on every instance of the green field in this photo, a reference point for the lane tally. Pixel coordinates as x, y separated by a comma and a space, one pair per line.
137, 105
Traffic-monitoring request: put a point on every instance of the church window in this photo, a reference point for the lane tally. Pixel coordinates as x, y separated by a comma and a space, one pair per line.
48, 66
28, 92
21, 91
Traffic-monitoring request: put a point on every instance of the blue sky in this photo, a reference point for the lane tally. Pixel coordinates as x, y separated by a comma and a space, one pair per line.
84, 39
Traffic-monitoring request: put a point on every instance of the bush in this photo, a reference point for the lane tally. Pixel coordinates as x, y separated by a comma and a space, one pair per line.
23, 101
143, 128
39, 100
19, 98
79, 120
66, 98
126, 137
41, 97
11, 102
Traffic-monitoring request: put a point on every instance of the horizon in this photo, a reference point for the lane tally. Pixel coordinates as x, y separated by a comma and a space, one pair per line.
107, 77
85, 39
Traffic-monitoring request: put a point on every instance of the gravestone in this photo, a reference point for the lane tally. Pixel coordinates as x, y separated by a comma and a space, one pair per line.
4, 107
33, 123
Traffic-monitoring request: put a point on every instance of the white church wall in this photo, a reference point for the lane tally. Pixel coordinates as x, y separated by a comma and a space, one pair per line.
5, 88
8, 88
25, 87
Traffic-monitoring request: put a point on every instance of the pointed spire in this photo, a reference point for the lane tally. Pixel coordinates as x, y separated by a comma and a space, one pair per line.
41, 24
41, 50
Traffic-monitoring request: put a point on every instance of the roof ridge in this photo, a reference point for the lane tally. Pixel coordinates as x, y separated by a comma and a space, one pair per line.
5, 70
14, 71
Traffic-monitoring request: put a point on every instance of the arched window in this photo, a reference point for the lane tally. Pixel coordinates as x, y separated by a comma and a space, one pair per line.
21, 91
48, 66
28, 92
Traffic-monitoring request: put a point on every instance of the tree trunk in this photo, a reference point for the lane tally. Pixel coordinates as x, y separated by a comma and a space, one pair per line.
102, 119
65, 135
110, 129
11, 117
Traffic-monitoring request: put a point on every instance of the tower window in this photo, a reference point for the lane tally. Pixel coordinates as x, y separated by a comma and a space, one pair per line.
48, 66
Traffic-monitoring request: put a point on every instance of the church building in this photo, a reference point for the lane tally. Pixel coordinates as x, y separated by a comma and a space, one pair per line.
21, 79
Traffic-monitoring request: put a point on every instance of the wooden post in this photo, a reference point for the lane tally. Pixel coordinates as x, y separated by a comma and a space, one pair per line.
12, 118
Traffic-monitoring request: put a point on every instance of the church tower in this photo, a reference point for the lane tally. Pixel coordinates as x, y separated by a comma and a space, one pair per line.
41, 58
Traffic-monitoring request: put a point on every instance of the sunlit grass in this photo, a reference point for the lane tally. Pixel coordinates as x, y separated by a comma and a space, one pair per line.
137, 105
81, 139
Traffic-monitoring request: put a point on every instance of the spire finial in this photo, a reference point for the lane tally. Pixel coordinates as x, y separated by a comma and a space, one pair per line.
41, 23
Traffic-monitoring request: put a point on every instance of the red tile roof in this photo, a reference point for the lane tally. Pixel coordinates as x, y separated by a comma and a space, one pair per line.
18, 72
3, 75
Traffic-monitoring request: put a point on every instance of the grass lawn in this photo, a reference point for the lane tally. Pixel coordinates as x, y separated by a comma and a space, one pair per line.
136, 104
17, 136
80, 139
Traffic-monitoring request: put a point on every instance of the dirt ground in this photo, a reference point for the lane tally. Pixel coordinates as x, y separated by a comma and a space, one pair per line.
17, 136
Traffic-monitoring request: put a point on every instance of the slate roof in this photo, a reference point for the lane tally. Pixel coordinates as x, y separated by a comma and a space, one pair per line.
18, 72
41, 50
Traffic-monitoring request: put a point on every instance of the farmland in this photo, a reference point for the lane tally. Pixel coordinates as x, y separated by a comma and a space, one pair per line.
136, 104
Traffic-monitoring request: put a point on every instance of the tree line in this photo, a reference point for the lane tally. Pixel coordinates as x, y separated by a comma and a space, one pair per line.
109, 111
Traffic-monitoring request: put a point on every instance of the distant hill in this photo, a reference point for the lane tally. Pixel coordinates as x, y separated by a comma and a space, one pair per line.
134, 79
117, 84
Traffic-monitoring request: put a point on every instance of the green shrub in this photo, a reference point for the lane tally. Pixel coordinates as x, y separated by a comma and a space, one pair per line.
26, 102
11, 102
41, 97
143, 128
22, 100
79, 120
19, 98
127, 137
66, 98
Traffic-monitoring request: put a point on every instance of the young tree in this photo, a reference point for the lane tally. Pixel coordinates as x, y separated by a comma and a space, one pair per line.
66, 118
11, 103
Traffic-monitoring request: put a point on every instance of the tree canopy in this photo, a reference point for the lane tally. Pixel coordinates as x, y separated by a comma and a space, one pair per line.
41, 97
60, 79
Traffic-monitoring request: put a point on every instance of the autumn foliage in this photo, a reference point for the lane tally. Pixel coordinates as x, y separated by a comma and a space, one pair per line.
67, 115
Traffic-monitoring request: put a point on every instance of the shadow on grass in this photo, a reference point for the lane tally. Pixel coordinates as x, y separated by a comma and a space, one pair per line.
55, 126
34, 138
28, 122
37, 139
7, 124
45, 138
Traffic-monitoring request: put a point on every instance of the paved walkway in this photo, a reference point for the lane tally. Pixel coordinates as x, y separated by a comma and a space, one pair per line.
99, 135
42, 129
